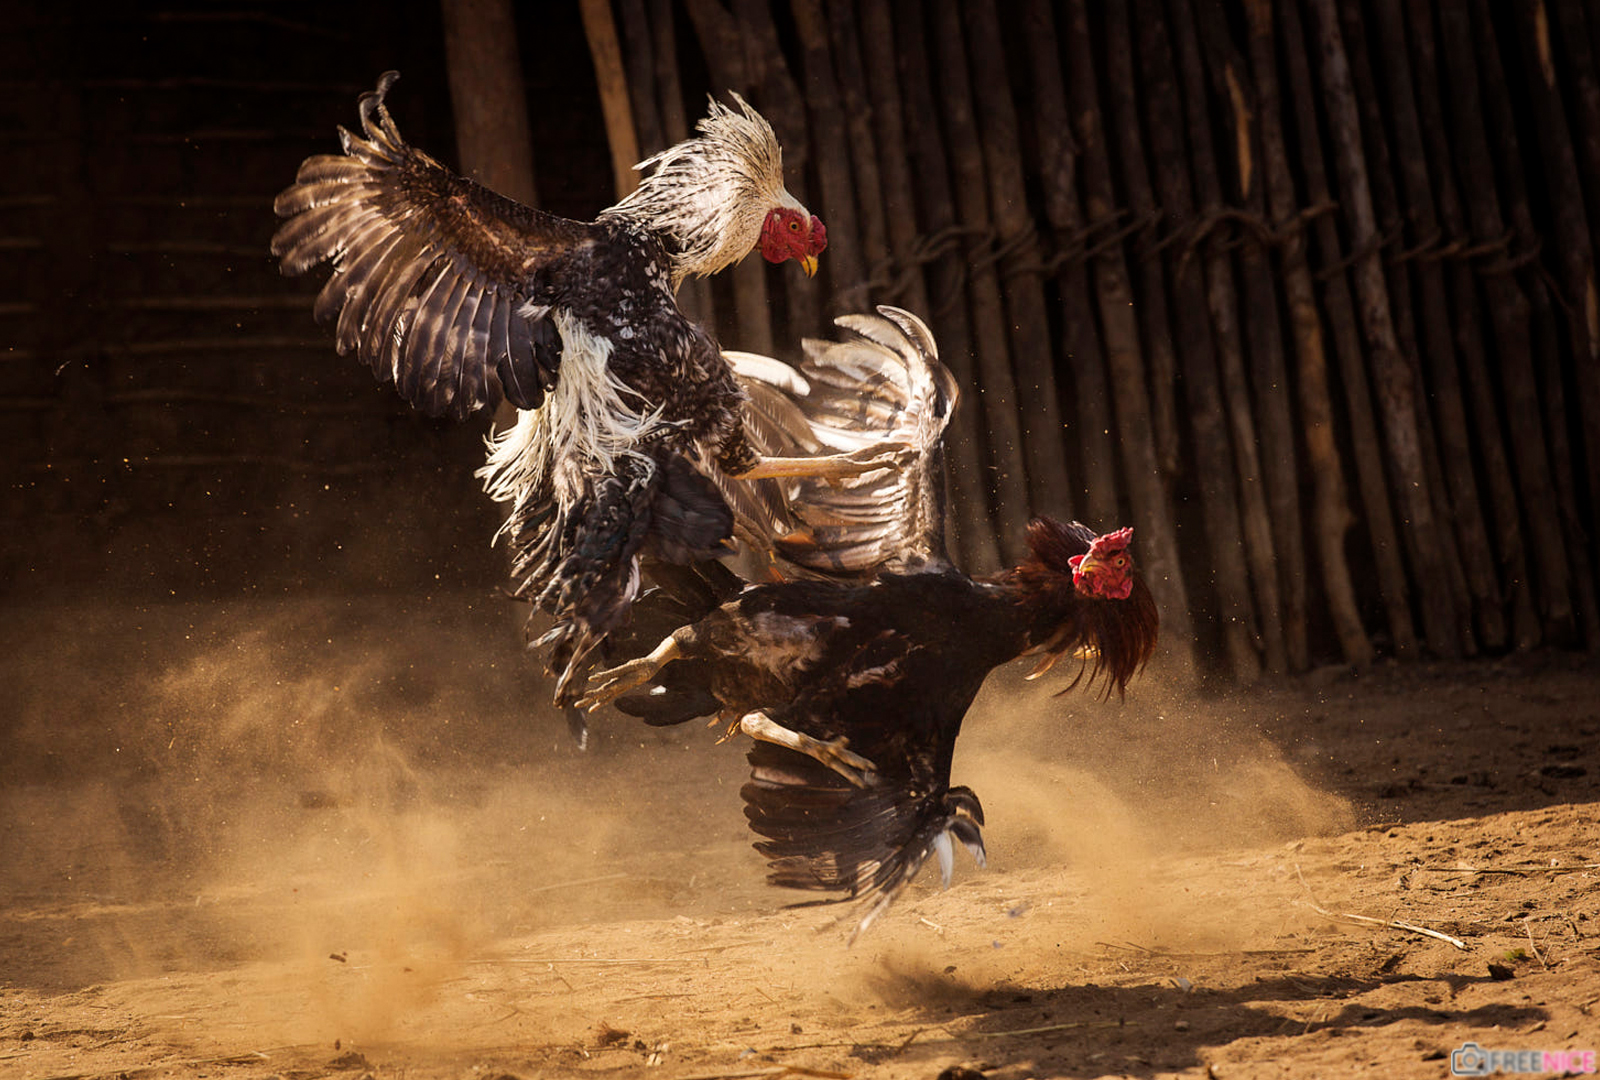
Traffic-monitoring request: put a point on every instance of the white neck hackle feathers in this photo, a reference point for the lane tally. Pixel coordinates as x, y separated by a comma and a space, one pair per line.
583, 426
709, 196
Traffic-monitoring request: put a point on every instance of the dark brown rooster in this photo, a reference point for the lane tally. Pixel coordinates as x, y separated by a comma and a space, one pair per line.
855, 690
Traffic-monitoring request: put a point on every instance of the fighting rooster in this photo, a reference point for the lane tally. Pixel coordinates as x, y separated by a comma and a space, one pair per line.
855, 690
630, 425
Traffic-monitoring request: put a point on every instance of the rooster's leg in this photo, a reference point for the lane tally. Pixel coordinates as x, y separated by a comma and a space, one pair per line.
612, 683
888, 455
831, 752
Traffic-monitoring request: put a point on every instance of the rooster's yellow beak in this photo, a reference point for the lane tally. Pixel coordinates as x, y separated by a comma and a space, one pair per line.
809, 265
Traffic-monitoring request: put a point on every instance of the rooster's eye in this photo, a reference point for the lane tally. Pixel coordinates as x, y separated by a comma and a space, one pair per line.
794, 226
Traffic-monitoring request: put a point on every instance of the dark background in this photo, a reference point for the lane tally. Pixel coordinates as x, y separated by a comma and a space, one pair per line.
175, 423
176, 426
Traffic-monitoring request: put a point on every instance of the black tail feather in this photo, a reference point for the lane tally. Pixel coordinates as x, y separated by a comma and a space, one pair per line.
824, 834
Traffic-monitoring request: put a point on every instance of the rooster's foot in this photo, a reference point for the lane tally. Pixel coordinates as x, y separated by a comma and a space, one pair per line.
608, 685
886, 455
834, 753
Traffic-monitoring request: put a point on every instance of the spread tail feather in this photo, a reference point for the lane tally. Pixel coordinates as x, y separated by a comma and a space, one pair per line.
824, 834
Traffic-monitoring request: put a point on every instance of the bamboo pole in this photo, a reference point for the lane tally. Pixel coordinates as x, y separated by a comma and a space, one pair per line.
1081, 349
947, 311
1330, 509
1130, 394
1038, 403
1454, 439
1264, 339
1212, 468
1222, 302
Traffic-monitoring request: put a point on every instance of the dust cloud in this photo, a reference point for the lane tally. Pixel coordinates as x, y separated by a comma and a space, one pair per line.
375, 790
1126, 792
366, 780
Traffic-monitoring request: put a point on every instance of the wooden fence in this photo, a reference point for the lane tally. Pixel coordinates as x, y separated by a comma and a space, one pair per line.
1302, 290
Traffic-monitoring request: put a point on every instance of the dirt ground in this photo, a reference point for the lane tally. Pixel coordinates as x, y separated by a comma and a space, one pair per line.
347, 839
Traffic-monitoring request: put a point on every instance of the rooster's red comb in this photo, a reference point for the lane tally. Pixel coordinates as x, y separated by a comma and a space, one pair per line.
1111, 541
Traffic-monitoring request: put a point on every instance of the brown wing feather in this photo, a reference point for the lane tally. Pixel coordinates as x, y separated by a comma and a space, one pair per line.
431, 272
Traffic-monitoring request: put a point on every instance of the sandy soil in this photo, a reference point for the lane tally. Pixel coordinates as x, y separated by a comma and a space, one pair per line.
346, 839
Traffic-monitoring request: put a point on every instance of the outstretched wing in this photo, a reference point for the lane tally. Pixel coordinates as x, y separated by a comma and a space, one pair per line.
439, 284
882, 382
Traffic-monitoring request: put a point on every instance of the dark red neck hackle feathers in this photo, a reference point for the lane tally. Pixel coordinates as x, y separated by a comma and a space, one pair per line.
1121, 633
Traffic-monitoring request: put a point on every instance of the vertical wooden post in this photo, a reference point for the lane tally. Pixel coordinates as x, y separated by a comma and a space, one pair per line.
1364, 443
1575, 266
1455, 442
1574, 37
1082, 354
1330, 510
1122, 103
1372, 114
1480, 392
1509, 316
639, 57
888, 129
847, 269
852, 81
782, 103
970, 474
1263, 334
1222, 301
694, 296
601, 29
1130, 394
1212, 468
487, 96
1397, 389
1044, 436
723, 45
995, 386
489, 103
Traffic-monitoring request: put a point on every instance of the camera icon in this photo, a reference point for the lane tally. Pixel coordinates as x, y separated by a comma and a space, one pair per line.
1470, 1060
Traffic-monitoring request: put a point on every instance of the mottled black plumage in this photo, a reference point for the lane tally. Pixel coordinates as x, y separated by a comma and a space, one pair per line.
631, 424
885, 668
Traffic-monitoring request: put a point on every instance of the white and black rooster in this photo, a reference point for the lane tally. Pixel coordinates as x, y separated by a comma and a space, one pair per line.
630, 437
